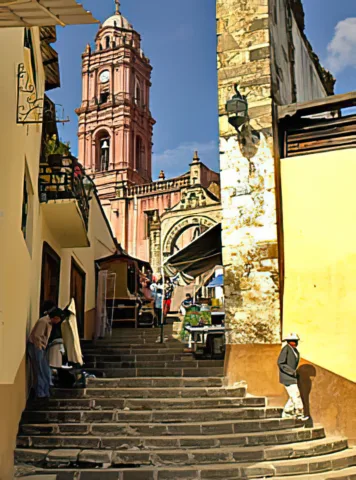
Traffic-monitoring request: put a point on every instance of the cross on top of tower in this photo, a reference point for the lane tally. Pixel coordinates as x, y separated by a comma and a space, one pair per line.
117, 6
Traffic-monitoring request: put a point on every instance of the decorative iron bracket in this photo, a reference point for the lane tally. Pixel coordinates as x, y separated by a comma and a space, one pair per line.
29, 107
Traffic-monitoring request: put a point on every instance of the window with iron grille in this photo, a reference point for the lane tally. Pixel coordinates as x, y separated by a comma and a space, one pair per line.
28, 43
25, 208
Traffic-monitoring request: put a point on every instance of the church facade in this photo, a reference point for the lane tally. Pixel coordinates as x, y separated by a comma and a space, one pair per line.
150, 219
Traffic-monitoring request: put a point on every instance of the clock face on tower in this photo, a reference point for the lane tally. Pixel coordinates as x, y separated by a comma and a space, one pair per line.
104, 76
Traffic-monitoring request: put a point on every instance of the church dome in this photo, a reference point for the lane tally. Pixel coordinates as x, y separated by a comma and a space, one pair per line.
117, 21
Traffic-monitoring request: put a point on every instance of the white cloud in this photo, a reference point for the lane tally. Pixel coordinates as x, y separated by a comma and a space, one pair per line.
342, 48
176, 161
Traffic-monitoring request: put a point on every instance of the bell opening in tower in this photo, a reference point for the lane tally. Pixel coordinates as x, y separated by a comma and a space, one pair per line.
104, 154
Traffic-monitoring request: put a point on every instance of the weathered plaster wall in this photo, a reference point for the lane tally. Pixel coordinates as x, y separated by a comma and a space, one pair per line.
247, 176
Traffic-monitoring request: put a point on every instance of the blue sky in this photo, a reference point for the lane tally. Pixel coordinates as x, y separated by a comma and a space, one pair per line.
179, 38
332, 23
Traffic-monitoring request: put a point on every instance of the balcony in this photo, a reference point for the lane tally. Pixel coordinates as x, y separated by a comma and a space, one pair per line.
65, 202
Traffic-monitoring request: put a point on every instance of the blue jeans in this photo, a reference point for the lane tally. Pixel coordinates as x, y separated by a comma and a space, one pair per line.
40, 370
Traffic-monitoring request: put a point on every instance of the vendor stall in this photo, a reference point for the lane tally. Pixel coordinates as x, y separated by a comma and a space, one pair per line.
124, 302
203, 320
208, 339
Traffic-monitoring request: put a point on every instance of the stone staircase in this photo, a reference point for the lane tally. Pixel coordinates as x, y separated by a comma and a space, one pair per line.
156, 413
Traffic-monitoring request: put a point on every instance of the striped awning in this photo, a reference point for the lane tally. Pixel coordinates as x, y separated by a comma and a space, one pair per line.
41, 13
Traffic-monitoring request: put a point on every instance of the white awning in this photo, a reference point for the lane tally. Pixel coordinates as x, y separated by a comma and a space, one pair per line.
43, 13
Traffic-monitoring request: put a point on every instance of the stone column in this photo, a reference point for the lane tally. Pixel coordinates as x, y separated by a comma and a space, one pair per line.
155, 243
250, 248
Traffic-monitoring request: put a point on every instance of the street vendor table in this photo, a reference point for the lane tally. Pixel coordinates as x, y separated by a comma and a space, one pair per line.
200, 335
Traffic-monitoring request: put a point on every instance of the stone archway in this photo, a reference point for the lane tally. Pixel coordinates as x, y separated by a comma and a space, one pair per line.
171, 236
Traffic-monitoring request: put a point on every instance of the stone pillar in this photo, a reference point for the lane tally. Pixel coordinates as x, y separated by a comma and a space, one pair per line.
155, 243
250, 247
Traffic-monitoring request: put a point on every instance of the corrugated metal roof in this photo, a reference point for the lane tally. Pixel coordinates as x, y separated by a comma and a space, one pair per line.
26, 13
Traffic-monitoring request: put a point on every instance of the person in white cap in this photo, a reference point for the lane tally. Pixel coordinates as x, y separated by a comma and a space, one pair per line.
288, 362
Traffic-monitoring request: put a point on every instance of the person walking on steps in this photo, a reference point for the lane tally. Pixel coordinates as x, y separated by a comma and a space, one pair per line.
168, 293
288, 362
157, 293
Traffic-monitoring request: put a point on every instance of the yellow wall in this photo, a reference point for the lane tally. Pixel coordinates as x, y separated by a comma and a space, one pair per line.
17, 143
319, 210
12, 403
20, 260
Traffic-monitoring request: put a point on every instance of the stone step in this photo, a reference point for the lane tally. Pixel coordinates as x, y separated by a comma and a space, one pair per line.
37, 477
344, 474
124, 458
150, 333
127, 344
154, 333
132, 429
307, 466
146, 404
161, 357
156, 372
134, 350
279, 437
152, 340
149, 392
155, 416
178, 364
118, 332
164, 382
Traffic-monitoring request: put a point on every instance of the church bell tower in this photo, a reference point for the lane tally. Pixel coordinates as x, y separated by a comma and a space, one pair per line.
115, 122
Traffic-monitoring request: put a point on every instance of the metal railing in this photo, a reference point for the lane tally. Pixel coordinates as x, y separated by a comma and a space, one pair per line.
61, 183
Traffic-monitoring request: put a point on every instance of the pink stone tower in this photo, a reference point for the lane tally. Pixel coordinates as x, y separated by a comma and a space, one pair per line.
115, 123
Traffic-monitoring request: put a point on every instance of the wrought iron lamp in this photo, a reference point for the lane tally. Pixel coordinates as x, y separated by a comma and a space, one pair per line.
89, 186
237, 109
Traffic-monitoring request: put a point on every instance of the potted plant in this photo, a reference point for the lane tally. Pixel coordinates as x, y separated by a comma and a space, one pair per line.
55, 150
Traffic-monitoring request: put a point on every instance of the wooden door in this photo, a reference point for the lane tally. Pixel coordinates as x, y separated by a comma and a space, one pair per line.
51, 271
77, 291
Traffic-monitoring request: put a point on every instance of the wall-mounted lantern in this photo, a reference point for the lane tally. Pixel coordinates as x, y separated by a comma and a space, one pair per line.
89, 186
237, 109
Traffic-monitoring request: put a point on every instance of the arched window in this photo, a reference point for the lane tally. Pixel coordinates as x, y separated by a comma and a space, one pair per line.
138, 94
140, 154
103, 145
107, 42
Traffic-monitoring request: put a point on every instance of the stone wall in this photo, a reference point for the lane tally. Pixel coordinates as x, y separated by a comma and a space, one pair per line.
250, 250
